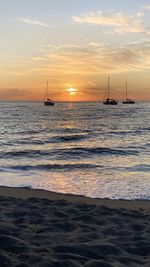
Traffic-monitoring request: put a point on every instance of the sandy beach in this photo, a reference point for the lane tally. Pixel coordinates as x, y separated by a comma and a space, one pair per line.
44, 229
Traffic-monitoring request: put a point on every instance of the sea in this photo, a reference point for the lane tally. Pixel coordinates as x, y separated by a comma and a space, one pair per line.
82, 148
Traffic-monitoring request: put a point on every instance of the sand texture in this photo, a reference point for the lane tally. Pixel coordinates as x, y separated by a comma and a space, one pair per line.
45, 229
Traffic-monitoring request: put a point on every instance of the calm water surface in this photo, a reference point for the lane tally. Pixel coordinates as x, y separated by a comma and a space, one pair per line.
80, 148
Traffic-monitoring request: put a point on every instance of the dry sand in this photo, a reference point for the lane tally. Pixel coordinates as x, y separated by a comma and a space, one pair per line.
45, 229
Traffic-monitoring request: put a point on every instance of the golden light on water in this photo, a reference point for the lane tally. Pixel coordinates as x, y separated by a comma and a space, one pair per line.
72, 91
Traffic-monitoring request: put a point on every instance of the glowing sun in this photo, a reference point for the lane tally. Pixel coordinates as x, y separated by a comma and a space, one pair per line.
72, 91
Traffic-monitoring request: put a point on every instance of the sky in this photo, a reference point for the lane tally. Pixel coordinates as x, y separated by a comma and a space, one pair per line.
75, 46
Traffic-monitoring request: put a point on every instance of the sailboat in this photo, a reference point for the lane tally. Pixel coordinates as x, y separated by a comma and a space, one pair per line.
47, 100
109, 101
128, 100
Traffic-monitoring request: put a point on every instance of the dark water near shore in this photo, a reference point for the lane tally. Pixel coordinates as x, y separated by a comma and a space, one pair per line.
81, 148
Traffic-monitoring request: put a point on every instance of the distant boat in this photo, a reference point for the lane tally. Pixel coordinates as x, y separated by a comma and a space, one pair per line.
109, 101
47, 100
127, 100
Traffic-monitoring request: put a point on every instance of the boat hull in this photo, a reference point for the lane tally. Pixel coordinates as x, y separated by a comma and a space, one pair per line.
48, 103
128, 102
110, 102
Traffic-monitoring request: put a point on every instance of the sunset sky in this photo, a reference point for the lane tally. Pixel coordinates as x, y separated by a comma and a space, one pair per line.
74, 44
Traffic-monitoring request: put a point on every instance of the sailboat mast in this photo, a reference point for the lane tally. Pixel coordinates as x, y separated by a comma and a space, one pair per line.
126, 91
47, 88
108, 86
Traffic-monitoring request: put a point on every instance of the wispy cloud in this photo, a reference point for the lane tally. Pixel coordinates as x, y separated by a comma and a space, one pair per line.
81, 62
91, 83
34, 22
122, 23
78, 65
95, 58
14, 93
39, 59
146, 7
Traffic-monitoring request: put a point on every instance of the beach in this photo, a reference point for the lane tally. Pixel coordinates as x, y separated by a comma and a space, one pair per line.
41, 228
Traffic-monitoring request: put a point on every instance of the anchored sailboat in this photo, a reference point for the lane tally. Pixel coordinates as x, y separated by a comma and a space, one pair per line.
128, 100
109, 101
47, 100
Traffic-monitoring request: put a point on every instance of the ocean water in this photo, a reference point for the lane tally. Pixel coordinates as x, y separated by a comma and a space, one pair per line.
79, 148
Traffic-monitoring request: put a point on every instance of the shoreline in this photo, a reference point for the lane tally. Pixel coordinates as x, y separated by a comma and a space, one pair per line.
26, 193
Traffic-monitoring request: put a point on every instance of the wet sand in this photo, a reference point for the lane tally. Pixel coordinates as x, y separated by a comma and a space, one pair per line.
45, 229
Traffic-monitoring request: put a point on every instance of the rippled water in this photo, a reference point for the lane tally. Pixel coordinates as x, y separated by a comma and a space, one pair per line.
80, 148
